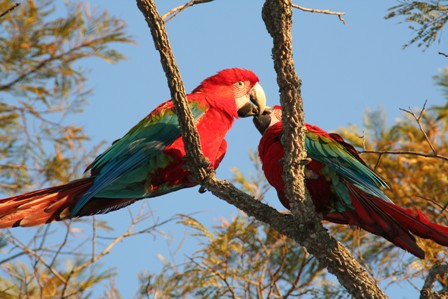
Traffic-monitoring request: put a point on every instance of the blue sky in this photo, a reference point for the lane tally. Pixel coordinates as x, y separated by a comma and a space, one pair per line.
344, 68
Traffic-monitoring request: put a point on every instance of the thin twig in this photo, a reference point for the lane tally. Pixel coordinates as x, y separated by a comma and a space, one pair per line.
294, 284
398, 152
322, 11
46, 61
333, 254
177, 10
218, 274
417, 119
277, 15
33, 253
197, 163
94, 225
443, 54
14, 6
62, 245
377, 161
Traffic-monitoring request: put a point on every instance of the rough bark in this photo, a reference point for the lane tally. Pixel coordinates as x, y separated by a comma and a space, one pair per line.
198, 163
277, 15
427, 291
306, 230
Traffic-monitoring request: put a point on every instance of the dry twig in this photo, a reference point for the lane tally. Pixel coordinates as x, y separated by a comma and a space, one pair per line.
335, 256
398, 152
277, 15
322, 11
417, 119
14, 6
177, 10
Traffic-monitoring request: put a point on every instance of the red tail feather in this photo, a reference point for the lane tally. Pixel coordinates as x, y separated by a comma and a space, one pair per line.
390, 221
42, 206
416, 222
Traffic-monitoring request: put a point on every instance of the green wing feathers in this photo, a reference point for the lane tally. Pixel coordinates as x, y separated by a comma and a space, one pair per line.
343, 159
132, 155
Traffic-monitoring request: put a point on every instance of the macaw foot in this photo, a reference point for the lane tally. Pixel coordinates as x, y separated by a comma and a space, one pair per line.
204, 165
305, 161
302, 162
211, 173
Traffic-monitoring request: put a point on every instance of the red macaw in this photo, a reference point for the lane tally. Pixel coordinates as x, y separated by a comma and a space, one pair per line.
148, 161
343, 188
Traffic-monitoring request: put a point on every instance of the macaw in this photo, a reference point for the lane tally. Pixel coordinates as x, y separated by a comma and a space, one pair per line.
343, 188
149, 160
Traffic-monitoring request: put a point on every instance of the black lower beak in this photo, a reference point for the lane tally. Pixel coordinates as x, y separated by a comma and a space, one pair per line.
263, 121
248, 110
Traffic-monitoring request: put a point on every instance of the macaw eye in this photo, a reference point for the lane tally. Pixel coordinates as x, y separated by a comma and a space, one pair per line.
239, 84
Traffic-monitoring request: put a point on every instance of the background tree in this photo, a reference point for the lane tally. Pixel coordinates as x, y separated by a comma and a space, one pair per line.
425, 18
272, 284
245, 258
42, 84
212, 278
416, 180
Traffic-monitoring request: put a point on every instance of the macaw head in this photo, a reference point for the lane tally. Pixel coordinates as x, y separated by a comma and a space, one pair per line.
268, 118
236, 91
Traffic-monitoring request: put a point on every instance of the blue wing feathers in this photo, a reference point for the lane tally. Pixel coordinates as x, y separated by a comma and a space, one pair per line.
141, 144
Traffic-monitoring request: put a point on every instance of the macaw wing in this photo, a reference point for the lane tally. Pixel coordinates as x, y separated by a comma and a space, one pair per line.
143, 142
343, 159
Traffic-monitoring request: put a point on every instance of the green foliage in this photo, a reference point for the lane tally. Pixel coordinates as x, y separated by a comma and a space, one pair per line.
43, 44
416, 180
241, 259
41, 83
46, 284
255, 184
427, 19
244, 258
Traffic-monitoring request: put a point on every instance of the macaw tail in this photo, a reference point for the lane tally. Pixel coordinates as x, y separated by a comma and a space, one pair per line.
42, 206
394, 223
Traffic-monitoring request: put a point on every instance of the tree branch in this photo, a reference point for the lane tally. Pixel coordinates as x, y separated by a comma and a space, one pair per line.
14, 6
417, 119
199, 165
400, 152
353, 275
427, 292
45, 62
277, 15
322, 11
178, 9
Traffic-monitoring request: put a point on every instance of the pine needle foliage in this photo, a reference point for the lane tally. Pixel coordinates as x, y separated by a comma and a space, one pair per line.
426, 19
43, 46
244, 258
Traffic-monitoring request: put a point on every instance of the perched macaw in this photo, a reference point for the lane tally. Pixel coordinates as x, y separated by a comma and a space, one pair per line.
343, 188
149, 160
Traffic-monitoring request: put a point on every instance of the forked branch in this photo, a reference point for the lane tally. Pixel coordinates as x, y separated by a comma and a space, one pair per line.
350, 273
417, 119
427, 289
322, 11
178, 9
277, 15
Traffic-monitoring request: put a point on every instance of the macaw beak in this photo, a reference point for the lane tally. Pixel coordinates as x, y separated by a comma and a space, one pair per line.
263, 121
257, 103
